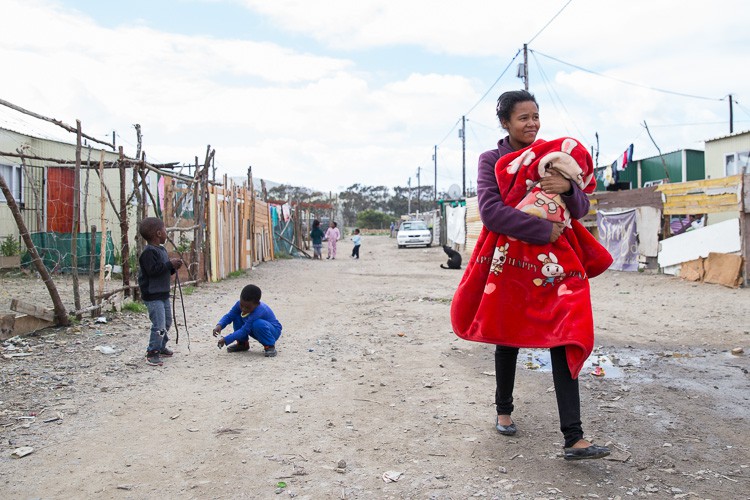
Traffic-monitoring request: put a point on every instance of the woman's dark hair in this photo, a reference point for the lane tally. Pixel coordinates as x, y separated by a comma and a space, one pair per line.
251, 293
508, 100
316, 223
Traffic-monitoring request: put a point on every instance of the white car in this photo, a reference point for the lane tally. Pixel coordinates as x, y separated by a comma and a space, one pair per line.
413, 232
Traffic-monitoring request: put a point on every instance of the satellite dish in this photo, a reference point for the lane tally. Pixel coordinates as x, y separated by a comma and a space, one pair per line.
454, 191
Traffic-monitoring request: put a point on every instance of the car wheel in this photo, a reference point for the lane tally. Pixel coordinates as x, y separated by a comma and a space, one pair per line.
401, 246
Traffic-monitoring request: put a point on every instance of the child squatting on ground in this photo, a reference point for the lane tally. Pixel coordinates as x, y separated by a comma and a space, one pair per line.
250, 318
154, 278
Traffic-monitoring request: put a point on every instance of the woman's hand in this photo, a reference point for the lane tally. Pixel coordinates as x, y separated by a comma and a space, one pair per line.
554, 183
217, 330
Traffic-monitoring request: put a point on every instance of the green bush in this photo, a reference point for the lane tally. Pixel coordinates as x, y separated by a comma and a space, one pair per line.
372, 219
10, 246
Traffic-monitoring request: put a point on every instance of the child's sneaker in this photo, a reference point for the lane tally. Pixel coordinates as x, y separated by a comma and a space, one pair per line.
166, 352
239, 346
270, 350
153, 359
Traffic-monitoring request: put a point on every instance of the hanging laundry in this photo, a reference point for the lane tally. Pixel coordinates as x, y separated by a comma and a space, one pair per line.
615, 171
625, 158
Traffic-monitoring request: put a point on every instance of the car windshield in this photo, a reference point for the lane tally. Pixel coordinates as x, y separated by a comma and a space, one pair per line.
414, 226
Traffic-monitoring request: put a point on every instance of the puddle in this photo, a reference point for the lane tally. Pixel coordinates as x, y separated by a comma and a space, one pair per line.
611, 364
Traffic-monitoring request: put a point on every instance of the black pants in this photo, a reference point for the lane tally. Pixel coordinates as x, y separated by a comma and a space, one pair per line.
566, 389
355, 251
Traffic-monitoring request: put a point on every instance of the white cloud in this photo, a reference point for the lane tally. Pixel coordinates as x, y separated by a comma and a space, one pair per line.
330, 121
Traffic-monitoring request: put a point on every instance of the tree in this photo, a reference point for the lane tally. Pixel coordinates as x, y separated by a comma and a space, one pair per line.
373, 219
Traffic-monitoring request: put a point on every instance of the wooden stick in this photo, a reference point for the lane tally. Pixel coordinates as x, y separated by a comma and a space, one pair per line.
103, 246
76, 220
61, 317
56, 122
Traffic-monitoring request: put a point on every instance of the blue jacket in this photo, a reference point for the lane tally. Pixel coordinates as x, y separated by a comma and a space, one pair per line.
244, 325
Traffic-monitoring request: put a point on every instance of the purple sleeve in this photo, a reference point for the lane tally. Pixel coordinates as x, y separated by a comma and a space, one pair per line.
577, 202
502, 219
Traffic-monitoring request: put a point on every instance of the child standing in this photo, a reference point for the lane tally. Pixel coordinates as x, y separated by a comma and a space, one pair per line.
250, 318
332, 235
316, 235
356, 239
154, 277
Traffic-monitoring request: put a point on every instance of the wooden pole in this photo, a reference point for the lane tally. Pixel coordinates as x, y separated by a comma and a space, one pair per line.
124, 227
75, 230
92, 255
61, 317
252, 215
103, 248
67, 127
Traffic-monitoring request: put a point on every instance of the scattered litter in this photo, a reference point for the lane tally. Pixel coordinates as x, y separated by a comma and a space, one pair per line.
737, 351
288, 409
126, 487
401, 334
192, 429
226, 430
56, 418
105, 349
100, 319
340, 467
489, 374
22, 452
392, 476
532, 366
16, 355
174, 417
598, 372
281, 484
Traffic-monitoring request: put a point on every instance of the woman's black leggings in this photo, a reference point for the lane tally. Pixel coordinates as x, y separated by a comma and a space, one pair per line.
566, 389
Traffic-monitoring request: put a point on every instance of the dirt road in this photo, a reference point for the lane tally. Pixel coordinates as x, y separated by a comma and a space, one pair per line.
369, 381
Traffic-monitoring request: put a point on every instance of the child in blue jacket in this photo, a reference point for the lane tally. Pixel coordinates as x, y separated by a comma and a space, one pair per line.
250, 318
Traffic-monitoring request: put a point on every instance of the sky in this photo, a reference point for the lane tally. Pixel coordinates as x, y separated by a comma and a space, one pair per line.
326, 94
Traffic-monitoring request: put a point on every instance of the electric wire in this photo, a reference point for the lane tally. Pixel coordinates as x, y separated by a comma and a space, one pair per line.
493, 84
567, 113
626, 82
548, 23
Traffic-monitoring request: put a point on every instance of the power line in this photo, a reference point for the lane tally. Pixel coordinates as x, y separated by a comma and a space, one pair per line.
627, 82
549, 86
493, 85
548, 23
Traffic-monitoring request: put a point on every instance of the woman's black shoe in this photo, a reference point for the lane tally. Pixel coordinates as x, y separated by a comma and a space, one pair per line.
589, 452
506, 430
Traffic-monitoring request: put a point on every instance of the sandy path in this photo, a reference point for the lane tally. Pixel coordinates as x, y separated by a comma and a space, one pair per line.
374, 377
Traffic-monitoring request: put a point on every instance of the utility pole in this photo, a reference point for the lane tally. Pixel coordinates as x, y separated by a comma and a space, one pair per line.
525, 67
462, 135
434, 159
419, 190
408, 209
731, 115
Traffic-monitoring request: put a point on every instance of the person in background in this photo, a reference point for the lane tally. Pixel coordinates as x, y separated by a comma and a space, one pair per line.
356, 239
333, 235
316, 235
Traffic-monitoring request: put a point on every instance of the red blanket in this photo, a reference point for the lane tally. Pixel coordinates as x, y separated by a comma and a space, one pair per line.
518, 294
